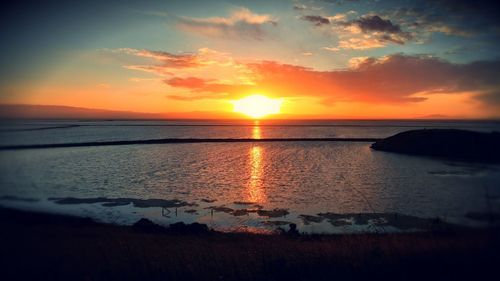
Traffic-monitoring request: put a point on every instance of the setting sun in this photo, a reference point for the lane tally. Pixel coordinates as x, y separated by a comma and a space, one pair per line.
257, 106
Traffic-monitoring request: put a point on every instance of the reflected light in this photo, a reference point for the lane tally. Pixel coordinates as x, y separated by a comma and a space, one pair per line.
256, 131
255, 187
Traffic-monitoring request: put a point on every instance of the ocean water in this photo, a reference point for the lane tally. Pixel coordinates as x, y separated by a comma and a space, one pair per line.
321, 186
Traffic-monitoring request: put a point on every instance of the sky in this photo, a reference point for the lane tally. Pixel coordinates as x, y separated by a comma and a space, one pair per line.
321, 58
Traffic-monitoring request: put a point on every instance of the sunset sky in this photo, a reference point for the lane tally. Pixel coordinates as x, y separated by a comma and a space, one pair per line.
321, 59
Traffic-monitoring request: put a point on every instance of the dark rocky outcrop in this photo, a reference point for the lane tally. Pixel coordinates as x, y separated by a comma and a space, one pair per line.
192, 228
146, 225
447, 143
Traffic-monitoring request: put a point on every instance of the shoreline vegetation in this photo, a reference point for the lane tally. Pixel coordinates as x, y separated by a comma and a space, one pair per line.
57, 247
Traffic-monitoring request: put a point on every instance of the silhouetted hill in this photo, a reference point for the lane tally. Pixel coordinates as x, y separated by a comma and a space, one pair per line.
448, 143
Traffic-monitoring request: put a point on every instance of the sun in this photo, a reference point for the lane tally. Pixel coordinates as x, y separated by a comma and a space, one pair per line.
257, 106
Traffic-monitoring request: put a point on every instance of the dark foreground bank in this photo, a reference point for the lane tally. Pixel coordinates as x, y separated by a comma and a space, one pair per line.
51, 247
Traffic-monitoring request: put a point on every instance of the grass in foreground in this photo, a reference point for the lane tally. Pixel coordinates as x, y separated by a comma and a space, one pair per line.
50, 247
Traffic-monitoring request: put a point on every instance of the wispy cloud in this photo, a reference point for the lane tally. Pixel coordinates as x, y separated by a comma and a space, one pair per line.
167, 60
361, 43
242, 23
165, 63
316, 20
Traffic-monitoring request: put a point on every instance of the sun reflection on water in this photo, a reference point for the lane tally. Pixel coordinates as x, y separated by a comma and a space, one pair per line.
255, 189
256, 131
255, 186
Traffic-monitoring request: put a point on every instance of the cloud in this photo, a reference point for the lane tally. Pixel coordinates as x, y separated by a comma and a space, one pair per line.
331, 49
206, 88
340, 17
190, 82
361, 43
319, 20
450, 17
379, 29
392, 79
155, 69
242, 23
167, 60
139, 79
165, 63
193, 97
316, 20
416, 21
366, 32
374, 23
355, 62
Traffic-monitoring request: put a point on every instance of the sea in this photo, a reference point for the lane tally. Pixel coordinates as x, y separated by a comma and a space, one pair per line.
309, 179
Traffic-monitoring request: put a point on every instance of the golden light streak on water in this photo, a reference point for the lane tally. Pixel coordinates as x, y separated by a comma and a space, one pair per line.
255, 187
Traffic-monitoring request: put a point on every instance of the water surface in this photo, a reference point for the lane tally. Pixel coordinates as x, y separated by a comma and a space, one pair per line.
243, 186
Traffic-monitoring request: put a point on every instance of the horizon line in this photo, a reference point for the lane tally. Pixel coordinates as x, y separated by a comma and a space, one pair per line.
157, 116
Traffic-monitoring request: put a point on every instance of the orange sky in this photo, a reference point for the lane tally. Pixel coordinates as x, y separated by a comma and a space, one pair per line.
333, 62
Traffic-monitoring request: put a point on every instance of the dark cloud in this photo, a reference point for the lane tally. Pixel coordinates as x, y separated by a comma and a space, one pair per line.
316, 20
383, 30
457, 17
400, 22
376, 23
466, 7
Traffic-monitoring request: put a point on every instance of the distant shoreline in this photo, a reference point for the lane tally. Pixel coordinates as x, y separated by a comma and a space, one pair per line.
10, 111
